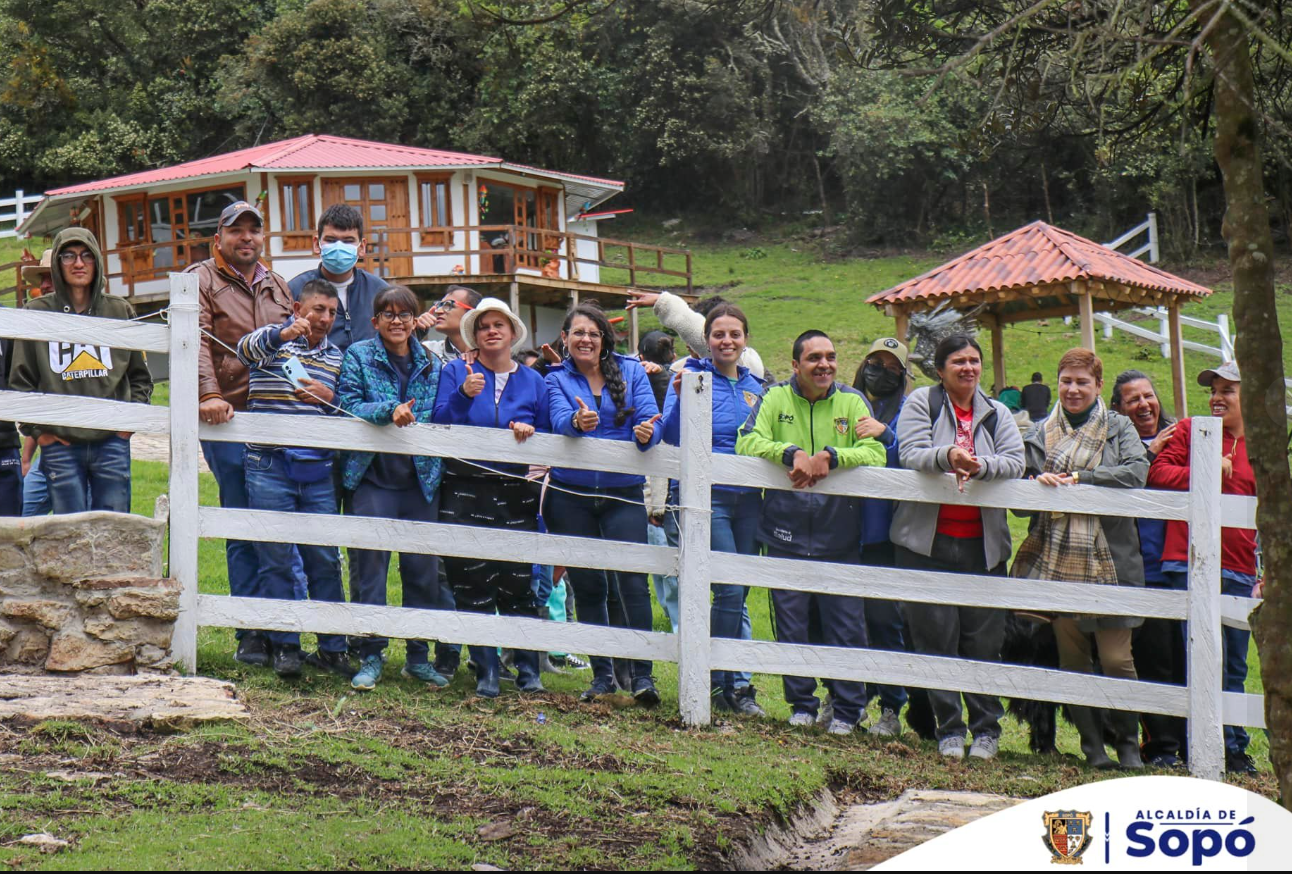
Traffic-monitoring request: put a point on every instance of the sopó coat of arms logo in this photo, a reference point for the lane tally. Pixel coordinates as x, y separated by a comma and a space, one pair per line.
1067, 835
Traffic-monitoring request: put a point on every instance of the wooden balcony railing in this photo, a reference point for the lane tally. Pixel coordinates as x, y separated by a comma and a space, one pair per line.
539, 251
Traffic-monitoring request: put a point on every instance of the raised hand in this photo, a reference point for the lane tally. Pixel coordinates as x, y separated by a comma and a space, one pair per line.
644, 431
427, 320
474, 383
641, 299
550, 355
522, 431
585, 419
403, 415
651, 367
1163, 438
300, 327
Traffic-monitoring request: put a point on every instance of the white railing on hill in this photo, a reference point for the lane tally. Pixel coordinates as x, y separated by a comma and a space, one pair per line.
1162, 336
1150, 247
18, 205
695, 652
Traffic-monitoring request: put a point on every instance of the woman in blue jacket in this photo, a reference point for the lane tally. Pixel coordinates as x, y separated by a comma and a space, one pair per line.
598, 393
735, 510
493, 392
390, 380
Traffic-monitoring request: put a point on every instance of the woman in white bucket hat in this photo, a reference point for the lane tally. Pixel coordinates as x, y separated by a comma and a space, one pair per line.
492, 392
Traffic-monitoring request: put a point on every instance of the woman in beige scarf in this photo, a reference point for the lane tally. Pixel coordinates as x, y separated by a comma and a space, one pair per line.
1082, 442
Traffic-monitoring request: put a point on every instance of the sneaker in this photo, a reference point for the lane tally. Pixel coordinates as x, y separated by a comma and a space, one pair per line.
952, 747
744, 704
336, 662
571, 661
424, 672
369, 673
1166, 760
984, 748
802, 719
253, 649
1239, 763
446, 664
825, 715
596, 690
288, 661
888, 726
839, 727
644, 692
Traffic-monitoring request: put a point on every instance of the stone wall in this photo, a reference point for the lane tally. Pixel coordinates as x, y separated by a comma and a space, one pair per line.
85, 593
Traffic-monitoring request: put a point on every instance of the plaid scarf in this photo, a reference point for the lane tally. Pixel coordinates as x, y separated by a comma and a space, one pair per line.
1069, 547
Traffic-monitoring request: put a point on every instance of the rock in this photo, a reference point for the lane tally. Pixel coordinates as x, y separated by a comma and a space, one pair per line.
134, 631
28, 647
92, 599
159, 702
671, 223
95, 777
495, 831
72, 652
157, 604
88, 545
124, 581
51, 614
7, 632
12, 557
157, 658
46, 843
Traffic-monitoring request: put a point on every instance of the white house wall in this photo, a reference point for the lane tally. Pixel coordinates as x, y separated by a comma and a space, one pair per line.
589, 269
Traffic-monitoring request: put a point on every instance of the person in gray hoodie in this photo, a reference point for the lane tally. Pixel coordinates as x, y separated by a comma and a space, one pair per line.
74, 458
954, 427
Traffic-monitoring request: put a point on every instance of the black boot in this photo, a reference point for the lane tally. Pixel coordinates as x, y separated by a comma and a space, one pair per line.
1126, 729
527, 671
1089, 723
486, 662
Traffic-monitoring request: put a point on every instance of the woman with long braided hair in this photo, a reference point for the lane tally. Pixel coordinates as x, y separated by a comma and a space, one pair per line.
598, 393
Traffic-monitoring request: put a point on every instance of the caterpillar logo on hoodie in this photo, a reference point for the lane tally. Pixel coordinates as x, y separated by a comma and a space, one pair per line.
77, 361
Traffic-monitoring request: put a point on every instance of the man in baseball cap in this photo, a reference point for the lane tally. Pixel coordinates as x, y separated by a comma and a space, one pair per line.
1227, 371
235, 211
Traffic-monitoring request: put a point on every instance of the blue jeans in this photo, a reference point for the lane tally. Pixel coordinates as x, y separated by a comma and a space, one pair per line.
102, 467
733, 528
884, 626
10, 482
1234, 643
242, 562
665, 584
419, 574
602, 516
269, 488
35, 491
541, 582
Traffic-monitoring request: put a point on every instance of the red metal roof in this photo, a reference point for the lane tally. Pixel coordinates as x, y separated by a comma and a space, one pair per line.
311, 152
1035, 254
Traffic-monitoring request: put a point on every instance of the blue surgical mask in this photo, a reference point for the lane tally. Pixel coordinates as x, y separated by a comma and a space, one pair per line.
339, 258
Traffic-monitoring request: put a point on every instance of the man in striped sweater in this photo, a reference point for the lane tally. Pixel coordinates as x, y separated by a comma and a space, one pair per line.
293, 370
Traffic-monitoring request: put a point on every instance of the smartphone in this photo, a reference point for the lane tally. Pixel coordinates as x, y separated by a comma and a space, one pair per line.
295, 371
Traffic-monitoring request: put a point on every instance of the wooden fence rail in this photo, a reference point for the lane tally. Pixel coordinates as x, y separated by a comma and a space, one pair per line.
697, 469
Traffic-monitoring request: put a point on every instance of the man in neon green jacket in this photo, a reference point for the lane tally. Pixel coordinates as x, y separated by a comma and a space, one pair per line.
808, 425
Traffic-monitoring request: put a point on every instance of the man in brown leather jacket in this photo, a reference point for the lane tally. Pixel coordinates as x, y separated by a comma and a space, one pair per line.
237, 295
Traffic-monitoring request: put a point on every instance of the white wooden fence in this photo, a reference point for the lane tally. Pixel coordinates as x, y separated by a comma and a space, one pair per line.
696, 566
18, 204
1150, 247
1162, 336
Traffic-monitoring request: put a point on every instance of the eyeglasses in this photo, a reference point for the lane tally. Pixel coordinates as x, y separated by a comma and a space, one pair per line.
73, 257
449, 303
388, 316
586, 335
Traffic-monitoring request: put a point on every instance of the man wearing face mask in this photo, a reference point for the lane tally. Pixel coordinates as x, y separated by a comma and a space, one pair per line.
339, 245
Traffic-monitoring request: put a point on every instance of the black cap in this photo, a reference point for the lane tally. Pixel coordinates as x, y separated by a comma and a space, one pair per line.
234, 211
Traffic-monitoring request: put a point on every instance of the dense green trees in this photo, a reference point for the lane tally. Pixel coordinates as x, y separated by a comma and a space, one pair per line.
742, 108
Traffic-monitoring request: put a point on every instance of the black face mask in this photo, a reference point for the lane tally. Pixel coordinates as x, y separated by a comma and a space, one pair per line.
880, 381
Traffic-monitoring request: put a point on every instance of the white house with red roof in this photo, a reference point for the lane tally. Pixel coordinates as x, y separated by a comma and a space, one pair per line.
431, 217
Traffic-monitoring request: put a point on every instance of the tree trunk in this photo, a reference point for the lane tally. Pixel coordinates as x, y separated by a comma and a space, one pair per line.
1260, 358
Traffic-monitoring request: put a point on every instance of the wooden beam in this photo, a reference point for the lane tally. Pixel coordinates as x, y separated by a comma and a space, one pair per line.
634, 334
1087, 306
998, 355
1175, 330
901, 325
513, 298
1036, 315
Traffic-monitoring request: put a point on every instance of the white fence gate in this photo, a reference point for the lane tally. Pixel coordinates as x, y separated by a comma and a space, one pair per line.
19, 203
695, 652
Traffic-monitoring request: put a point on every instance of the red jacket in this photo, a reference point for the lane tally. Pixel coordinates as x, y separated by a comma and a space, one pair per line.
1170, 470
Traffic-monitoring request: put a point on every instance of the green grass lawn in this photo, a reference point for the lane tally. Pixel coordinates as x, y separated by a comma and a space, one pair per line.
407, 777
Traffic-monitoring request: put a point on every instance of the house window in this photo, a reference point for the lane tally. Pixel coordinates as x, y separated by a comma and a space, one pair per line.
171, 230
297, 199
436, 204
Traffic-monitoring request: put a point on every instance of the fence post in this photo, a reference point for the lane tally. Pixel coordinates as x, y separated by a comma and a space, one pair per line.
18, 212
693, 578
1164, 330
185, 338
1154, 250
1206, 710
1226, 339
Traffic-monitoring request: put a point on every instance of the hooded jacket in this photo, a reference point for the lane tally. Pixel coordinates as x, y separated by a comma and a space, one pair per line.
732, 404
230, 310
94, 371
524, 399
804, 522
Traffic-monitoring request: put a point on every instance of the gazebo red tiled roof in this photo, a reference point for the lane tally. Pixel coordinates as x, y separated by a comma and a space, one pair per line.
1037, 260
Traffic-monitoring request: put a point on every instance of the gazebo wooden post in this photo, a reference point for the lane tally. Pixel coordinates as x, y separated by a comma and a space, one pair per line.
1177, 360
901, 324
998, 354
1086, 302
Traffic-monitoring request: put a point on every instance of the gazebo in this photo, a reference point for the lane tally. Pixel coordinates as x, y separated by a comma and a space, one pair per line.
1040, 272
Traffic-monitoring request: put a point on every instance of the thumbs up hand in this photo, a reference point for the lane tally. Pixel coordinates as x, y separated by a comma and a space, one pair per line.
585, 419
403, 415
644, 431
474, 383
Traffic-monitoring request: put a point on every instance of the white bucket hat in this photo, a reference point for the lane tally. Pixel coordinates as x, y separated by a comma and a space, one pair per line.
31, 272
492, 304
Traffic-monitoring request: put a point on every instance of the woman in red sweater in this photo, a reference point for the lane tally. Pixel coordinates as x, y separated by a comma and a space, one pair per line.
1238, 574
